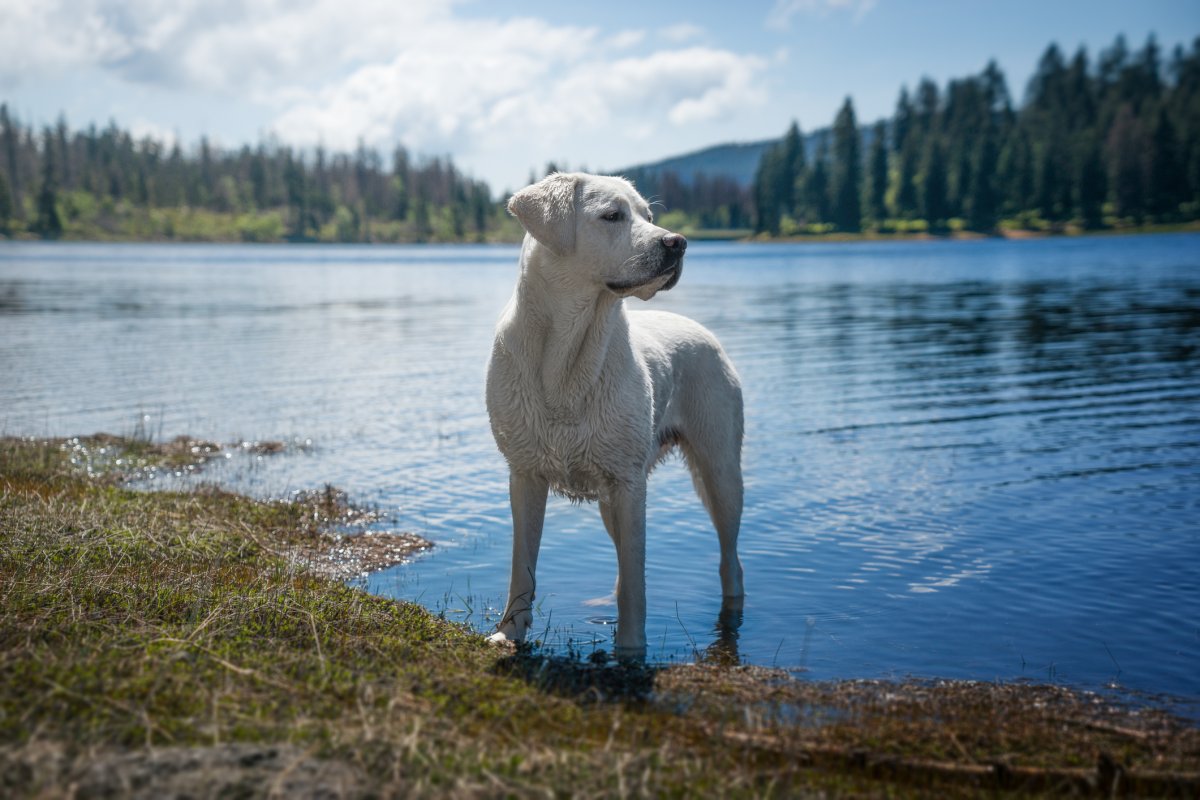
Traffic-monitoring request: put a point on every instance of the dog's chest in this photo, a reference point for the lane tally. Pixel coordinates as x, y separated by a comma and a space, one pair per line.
577, 463
582, 450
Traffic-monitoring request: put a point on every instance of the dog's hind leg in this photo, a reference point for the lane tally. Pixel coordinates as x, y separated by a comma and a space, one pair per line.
610, 525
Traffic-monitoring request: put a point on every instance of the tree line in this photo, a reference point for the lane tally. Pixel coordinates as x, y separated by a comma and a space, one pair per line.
710, 202
107, 183
1109, 143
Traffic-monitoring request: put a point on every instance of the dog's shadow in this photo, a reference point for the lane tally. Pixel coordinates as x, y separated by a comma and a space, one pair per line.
600, 678
595, 680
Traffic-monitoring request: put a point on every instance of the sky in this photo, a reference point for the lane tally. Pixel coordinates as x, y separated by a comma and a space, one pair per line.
505, 88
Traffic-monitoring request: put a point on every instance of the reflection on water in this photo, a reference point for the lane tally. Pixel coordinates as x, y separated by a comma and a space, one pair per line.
724, 647
976, 459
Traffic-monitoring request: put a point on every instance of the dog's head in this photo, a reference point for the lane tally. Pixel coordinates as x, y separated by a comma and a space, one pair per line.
600, 230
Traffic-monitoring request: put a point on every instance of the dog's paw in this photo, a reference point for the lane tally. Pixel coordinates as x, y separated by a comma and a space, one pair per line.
498, 639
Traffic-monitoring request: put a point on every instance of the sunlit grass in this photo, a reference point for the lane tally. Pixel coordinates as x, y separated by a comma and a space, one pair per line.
164, 620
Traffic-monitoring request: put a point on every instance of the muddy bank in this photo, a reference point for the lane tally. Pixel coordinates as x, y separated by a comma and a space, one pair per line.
169, 644
345, 556
343, 540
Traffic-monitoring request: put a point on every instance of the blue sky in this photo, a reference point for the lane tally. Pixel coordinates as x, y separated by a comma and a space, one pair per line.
506, 87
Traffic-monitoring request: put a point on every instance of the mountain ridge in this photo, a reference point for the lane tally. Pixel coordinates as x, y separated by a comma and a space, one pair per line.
735, 160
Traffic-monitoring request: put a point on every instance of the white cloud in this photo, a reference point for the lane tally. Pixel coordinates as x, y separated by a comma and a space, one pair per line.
33, 40
627, 39
682, 32
217, 45
525, 86
780, 16
415, 72
458, 80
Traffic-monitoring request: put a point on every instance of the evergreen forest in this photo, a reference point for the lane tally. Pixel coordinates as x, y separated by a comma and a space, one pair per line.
107, 184
1110, 142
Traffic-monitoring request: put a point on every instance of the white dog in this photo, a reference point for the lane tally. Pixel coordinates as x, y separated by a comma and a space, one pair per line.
585, 397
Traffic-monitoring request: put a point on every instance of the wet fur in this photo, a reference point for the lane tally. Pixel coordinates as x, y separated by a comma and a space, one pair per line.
585, 397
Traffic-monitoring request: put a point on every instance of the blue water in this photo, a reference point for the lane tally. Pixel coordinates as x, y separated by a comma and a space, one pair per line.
963, 459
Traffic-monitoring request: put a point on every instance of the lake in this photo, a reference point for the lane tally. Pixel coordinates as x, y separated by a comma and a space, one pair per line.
972, 459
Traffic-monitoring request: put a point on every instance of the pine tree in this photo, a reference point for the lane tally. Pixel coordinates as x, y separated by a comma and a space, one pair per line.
1015, 173
258, 179
927, 105
793, 166
481, 204
816, 186
906, 203
1046, 93
48, 224
983, 198
766, 196
297, 197
9, 142
878, 173
1080, 94
174, 183
1112, 63
1148, 71
63, 151
1125, 150
1052, 176
1166, 181
995, 92
1091, 185
960, 178
934, 206
6, 206
776, 181
1185, 108
846, 172
902, 120
400, 183
422, 229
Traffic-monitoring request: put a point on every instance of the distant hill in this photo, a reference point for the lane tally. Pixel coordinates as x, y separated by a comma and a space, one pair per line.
738, 161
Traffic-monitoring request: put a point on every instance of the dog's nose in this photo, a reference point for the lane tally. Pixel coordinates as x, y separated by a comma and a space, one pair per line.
674, 241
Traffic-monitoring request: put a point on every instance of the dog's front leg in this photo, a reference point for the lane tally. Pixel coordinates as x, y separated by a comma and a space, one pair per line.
528, 496
626, 512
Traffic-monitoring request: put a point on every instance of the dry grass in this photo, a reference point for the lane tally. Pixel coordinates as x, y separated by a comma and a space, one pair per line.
161, 643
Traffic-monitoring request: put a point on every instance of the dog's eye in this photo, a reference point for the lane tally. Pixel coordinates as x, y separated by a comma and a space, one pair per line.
611, 216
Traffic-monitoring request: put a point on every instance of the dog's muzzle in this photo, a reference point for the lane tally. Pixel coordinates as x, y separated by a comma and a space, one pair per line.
670, 266
675, 246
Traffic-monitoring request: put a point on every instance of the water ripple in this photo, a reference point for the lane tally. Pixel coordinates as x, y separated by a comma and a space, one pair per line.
962, 459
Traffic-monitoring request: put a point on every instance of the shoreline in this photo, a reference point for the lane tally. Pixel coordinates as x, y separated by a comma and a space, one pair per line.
1014, 234
338, 544
166, 640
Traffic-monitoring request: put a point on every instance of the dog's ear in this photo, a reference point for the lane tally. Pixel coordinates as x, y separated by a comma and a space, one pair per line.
547, 210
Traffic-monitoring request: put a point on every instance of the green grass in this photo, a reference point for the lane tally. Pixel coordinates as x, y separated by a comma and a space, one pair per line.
135, 623
88, 218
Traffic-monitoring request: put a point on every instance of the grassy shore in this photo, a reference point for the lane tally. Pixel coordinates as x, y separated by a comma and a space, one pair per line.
197, 226
1012, 233
161, 643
